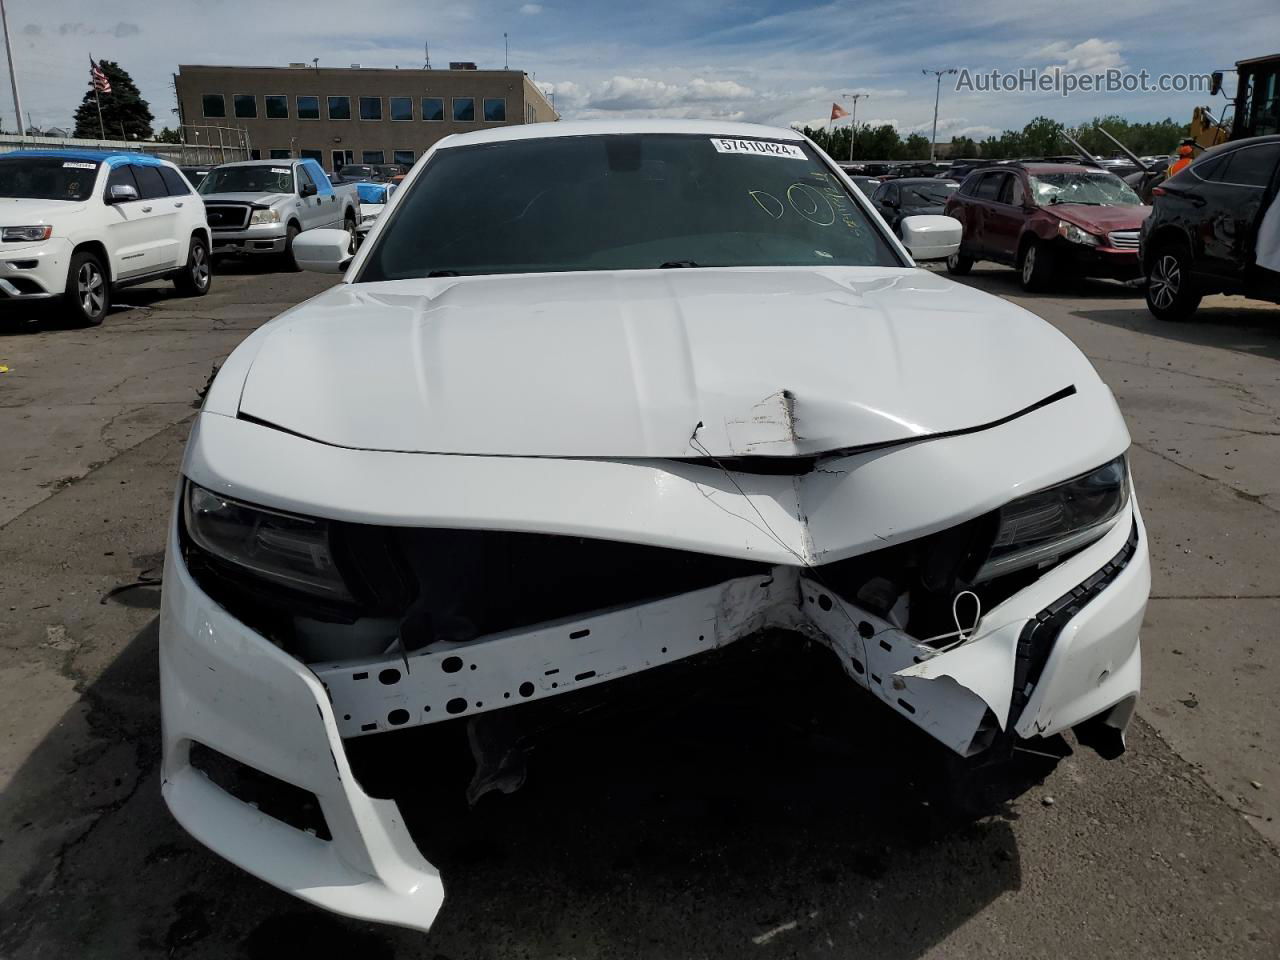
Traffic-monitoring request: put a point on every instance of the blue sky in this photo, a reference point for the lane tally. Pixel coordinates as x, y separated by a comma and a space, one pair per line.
772, 62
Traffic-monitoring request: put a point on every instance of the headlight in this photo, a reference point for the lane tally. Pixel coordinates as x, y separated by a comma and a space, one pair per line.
1039, 529
264, 216
288, 550
29, 234
1075, 234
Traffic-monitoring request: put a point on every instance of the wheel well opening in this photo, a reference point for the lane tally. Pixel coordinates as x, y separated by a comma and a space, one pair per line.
1168, 236
95, 247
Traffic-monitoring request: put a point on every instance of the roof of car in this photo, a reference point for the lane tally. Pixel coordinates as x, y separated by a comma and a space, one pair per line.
110, 158
586, 128
264, 163
914, 180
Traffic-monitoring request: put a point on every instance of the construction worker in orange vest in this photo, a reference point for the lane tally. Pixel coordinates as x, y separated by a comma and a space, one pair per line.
1183, 161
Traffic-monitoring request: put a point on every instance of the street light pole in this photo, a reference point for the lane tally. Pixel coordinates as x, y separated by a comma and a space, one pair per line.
933, 137
853, 118
13, 73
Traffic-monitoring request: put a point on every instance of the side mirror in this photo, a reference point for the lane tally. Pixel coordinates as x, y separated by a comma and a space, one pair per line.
931, 237
1215, 83
122, 193
323, 251
307, 190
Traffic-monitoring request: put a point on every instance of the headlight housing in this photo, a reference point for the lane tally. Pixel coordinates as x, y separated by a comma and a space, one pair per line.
264, 216
1076, 235
1039, 529
26, 234
286, 549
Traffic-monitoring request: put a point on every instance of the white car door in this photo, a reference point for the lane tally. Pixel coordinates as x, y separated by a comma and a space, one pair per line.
130, 237
161, 217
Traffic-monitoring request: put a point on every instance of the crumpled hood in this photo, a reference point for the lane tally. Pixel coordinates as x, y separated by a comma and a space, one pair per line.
757, 362
24, 212
259, 199
1101, 219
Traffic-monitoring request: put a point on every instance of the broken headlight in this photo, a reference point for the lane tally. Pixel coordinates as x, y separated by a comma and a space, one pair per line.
1038, 530
285, 549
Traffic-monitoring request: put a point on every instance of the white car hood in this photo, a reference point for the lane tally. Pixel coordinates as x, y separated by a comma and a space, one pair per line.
25, 212
639, 364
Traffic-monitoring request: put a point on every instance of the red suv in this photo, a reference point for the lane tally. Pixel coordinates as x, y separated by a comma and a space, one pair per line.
1048, 220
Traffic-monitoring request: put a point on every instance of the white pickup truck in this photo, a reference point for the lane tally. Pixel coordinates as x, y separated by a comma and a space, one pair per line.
258, 206
75, 225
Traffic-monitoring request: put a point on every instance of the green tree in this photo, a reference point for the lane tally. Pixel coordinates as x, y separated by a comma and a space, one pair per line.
123, 109
963, 147
168, 136
1042, 137
915, 147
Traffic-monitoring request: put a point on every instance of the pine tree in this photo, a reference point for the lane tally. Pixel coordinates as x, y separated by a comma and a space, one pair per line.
123, 109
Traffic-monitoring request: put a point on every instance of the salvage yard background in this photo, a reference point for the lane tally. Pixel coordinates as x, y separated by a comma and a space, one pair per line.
773, 815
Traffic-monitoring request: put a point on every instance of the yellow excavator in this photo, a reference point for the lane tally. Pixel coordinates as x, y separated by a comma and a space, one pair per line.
1255, 110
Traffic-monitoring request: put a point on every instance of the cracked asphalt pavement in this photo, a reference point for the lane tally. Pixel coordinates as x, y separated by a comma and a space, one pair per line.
777, 814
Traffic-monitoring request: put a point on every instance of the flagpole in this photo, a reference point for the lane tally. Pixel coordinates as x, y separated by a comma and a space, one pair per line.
13, 73
97, 95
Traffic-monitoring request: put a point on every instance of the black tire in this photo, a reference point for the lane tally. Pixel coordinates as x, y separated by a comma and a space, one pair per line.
958, 264
290, 263
1171, 290
197, 276
87, 297
349, 224
1037, 268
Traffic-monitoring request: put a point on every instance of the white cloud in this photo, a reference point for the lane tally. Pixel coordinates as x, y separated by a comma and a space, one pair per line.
1089, 56
531, 9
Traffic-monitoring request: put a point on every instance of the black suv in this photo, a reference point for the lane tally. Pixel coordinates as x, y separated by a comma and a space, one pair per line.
1203, 235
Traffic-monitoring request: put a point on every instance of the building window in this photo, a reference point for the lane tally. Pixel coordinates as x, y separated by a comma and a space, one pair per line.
404, 157
214, 105
255, 154
464, 109
401, 108
340, 159
370, 108
277, 107
495, 110
339, 108
246, 105
308, 108
433, 108
372, 156
279, 154
316, 155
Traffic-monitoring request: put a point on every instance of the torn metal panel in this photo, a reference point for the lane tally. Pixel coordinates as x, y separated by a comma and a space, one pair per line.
769, 429
463, 679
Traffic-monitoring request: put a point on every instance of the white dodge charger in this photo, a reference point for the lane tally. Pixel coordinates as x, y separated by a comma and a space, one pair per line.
595, 398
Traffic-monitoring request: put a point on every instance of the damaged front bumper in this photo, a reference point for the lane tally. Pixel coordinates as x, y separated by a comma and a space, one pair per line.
1060, 651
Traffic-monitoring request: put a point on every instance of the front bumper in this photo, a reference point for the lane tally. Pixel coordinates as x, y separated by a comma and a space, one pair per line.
34, 271
1110, 263
225, 687
259, 238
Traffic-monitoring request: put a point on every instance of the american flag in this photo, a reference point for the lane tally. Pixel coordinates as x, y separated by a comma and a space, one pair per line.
97, 78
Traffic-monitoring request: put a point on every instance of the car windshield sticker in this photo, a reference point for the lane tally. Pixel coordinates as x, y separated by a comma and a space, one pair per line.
279, 169
760, 148
78, 165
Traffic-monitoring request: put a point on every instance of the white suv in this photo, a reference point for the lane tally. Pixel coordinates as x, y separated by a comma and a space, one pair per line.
75, 225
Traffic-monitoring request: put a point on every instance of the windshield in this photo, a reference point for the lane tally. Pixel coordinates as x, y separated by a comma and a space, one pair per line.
928, 194
255, 179
47, 178
623, 202
1094, 189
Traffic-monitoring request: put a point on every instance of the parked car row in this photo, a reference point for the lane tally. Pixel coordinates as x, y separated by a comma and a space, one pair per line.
76, 225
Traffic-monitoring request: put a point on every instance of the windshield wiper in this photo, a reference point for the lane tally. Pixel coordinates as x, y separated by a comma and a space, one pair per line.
672, 264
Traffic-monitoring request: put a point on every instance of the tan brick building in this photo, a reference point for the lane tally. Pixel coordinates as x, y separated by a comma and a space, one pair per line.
353, 114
